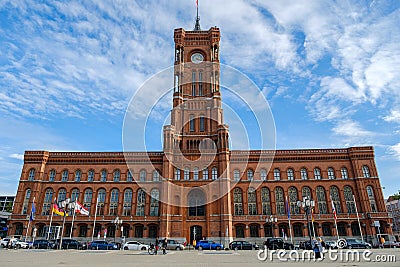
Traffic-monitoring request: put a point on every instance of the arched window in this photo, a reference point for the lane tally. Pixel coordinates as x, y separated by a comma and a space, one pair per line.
64, 176
186, 172
129, 176
74, 194
26, 201
254, 230
90, 176
345, 174
196, 202
202, 124
365, 171
263, 174
177, 174
348, 197
114, 202
303, 174
265, 201
101, 196
290, 174
238, 201
306, 192
142, 175
52, 175
236, 175
334, 191
280, 200
321, 198
317, 174
250, 175
200, 83
196, 173
127, 202
252, 201
61, 195
103, 176
294, 209
47, 201
193, 83
331, 174
371, 197
87, 198
155, 196
117, 175
31, 176
156, 176
277, 174
214, 173
141, 201
78, 175
205, 174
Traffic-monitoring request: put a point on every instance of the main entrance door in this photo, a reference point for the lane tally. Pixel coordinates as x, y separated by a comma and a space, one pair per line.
196, 232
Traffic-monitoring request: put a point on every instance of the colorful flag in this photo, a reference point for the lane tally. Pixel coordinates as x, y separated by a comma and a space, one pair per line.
312, 215
197, 3
287, 208
57, 210
81, 209
333, 210
33, 210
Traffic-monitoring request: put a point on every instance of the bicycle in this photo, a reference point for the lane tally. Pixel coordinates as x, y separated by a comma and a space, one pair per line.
152, 250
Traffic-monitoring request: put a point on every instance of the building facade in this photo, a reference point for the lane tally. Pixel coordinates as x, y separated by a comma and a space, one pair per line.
393, 207
197, 187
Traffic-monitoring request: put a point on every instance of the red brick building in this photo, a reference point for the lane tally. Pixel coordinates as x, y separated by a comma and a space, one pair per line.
197, 187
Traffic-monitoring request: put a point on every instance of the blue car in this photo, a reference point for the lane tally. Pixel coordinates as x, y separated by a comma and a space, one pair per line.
207, 244
101, 245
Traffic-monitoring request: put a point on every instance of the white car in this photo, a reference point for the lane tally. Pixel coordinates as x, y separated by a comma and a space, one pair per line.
135, 245
4, 242
20, 244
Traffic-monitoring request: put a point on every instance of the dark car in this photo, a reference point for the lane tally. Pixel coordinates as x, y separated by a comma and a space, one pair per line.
277, 243
207, 244
43, 243
69, 244
242, 245
101, 245
306, 245
355, 243
391, 244
330, 245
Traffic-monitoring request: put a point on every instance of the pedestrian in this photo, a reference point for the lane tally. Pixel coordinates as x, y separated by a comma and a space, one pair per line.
156, 247
382, 240
164, 246
316, 249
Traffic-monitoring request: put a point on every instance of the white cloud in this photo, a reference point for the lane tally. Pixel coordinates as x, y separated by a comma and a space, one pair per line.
17, 156
395, 151
351, 129
394, 116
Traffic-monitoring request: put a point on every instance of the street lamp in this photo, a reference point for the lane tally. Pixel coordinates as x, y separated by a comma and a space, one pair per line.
307, 204
65, 205
117, 222
272, 219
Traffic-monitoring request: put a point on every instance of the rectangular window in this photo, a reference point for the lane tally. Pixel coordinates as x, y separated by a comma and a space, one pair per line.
202, 124
193, 83
200, 83
191, 122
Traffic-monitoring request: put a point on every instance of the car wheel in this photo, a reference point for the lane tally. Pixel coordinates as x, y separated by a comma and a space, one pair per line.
349, 247
143, 248
218, 248
126, 248
178, 248
18, 246
93, 248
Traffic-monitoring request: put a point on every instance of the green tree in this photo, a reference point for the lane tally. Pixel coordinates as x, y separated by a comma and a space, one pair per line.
9, 207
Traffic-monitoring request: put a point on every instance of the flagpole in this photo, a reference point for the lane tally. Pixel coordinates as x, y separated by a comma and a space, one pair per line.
29, 219
290, 226
358, 219
51, 219
73, 219
95, 215
334, 217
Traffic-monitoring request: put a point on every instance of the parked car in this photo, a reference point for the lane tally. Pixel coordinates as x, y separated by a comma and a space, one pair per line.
207, 244
305, 245
69, 244
135, 245
4, 242
174, 245
355, 243
242, 245
277, 243
330, 245
43, 243
101, 245
17, 243
391, 244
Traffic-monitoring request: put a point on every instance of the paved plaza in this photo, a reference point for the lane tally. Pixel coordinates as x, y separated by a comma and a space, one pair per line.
44, 258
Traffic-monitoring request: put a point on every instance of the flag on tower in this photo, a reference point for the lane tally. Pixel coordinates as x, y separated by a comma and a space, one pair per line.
334, 210
57, 210
287, 208
33, 210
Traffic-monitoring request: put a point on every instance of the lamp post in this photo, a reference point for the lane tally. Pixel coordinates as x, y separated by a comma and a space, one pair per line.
272, 219
117, 222
307, 204
65, 205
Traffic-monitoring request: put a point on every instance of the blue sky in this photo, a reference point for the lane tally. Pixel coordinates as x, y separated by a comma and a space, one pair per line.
329, 69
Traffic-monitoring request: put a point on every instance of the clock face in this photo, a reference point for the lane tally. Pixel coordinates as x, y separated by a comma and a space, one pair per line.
197, 58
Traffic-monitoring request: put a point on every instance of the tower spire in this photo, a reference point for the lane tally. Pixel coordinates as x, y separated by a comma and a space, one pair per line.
197, 25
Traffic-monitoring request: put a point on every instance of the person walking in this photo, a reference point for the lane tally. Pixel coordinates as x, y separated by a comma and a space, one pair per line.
164, 246
156, 247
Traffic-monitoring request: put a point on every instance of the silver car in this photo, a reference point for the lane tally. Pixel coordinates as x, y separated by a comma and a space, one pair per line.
174, 245
135, 245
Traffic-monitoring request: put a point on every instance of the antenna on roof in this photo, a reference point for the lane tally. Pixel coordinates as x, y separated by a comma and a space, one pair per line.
197, 25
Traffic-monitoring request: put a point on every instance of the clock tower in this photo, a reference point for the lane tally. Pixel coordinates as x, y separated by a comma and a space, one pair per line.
196, 143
